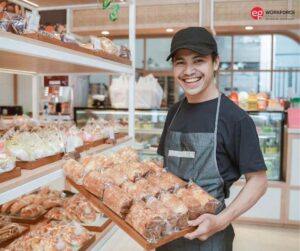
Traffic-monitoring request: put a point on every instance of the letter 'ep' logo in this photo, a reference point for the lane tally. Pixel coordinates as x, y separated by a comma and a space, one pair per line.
257, 13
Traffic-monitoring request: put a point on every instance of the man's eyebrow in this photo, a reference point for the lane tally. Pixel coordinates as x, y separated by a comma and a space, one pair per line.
178, 58
199, 56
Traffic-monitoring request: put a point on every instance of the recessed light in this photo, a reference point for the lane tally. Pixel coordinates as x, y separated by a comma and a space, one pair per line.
105, 32
249, 28
169, 30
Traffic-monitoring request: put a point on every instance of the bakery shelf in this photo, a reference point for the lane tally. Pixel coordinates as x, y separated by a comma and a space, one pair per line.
22, 54
33, 179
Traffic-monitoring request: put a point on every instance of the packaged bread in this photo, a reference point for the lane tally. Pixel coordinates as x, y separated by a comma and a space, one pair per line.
154, 168
5, 208
197, 200
10, 231
32, 211
134, 170
150, 189
116, 199
136, 192
4, 220
49, 203
128, 154
147, 222
56, 213
166, 181
20, 203
116, 174
95, 183
178, 208
74, 171
167, 215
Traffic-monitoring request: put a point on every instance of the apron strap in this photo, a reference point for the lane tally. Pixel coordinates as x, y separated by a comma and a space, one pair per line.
180, 105
216, 128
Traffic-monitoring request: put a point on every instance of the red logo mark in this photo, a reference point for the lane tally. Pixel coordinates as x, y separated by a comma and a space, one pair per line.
257, 13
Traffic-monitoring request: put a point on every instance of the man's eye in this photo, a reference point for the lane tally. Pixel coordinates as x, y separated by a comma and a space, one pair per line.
179, 62
197, 61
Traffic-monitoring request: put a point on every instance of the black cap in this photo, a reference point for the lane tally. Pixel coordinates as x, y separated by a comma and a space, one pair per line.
197, 39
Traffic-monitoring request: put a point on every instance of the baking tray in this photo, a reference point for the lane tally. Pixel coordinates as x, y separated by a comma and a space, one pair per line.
7, 242
29, 165
99, 225
16, 172
124, 225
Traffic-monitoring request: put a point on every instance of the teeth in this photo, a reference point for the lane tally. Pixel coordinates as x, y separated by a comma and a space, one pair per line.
191, 80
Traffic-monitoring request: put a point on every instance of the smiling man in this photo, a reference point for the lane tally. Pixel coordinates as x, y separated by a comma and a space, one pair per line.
211, 141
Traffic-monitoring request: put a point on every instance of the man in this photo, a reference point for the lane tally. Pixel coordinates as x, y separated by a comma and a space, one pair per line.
211, 141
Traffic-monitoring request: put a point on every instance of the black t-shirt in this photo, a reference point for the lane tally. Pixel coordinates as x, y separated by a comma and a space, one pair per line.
238, 150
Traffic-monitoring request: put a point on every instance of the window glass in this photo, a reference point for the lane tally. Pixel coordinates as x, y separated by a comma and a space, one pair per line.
252, 52
139, 50
157, 51
224, 82
224, 49
286, 84
252, 81
286, 53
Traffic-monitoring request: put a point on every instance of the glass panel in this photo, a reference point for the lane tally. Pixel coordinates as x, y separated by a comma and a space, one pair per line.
286, 53
224, 82
286, 84
252, 52
252, 81
157, 51
224, 48
139, 50
269, 129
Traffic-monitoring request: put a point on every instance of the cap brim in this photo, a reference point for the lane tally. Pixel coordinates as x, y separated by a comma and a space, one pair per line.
202, 51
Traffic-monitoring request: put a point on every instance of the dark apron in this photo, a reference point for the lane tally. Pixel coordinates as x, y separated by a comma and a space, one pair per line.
192, 156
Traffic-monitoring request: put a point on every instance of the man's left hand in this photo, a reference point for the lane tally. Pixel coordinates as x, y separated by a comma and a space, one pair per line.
208, 225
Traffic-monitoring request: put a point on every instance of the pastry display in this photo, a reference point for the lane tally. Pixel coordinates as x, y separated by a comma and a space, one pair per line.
7, 161
74, 170
55, 236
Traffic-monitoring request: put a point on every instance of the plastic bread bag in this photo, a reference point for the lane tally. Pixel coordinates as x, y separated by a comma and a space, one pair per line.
117, 200
69, 38
74, 170
7, 161
197, 200
145, 221
108, 46
5, 24
150, 189
117, 175
124, 52
169, 218
134, 191
95, 182
178, 208
74, 139
18, 22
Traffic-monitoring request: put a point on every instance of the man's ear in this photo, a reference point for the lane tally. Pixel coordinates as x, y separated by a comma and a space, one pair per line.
216, 63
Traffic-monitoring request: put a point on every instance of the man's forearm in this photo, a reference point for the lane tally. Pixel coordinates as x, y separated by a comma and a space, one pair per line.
255, 187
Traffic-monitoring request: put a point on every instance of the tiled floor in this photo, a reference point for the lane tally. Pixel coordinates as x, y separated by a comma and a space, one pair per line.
248, 238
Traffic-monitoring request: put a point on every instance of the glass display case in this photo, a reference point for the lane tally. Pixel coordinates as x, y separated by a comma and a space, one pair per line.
269, 126
149, 125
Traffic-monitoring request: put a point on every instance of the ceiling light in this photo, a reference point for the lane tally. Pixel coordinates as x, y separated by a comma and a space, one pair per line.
169, 30
105, 32
248, 28
31, 3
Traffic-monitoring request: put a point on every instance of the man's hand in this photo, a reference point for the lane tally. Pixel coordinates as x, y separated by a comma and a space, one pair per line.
208, 225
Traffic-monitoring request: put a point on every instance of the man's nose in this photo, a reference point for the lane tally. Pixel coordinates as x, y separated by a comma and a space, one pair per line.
189, 69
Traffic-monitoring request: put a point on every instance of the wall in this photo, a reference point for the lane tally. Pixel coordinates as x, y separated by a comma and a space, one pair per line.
24, 91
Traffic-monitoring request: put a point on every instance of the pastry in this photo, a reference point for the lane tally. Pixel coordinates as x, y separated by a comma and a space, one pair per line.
74, 171
5, 208
178, 208
148, 187
56, 213
31, 211
22, 202
4, 220
52, 202
134, 191
116, 199
95, 183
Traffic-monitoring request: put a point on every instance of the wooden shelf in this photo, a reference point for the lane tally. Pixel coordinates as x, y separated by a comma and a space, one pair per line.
27, 55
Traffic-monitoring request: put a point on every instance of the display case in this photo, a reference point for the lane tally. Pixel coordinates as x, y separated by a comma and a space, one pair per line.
269, 126
149, 125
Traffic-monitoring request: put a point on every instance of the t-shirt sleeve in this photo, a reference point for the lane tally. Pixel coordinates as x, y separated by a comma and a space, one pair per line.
248, 154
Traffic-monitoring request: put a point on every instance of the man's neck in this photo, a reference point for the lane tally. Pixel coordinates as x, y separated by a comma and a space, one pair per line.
208, 94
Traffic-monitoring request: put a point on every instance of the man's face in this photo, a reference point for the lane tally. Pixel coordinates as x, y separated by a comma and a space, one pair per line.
194, 72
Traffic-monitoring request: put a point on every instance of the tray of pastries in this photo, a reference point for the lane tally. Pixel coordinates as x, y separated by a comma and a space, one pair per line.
77, 208
67, 236
10, 231
30, 208
152, 205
